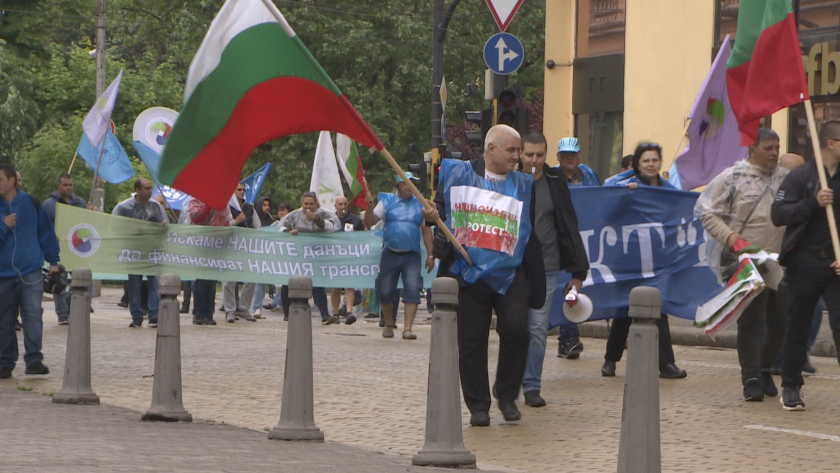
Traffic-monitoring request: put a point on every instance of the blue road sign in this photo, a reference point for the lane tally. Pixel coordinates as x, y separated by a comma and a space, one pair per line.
503, 53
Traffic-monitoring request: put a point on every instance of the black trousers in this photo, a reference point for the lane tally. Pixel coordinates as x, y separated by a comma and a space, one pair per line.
761, 331
620, 329
204, 296
188, 287
476, 303
807, 283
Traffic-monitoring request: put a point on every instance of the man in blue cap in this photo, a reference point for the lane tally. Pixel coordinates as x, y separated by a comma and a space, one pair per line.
577, 174
404, 217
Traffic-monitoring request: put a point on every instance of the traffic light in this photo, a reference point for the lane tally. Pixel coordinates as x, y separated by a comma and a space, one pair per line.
484, 120
419, 171
508, 112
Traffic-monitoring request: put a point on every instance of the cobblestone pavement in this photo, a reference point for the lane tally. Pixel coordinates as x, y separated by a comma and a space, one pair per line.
370, 393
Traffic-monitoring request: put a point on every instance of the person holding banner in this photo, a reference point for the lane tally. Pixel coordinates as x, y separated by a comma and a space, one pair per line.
577, 175
645, 167
247, 217
736, 205
27, 237
310, 218
404, 218
489, 207
556, 225
142, 207
812, 269
350, 222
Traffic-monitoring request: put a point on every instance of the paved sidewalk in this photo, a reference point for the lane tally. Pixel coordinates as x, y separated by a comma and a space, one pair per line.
370, 394
39, 436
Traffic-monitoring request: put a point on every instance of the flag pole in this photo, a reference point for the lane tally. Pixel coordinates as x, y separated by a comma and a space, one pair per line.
682, 138
76, 154
96, 173
832, 224
426, 205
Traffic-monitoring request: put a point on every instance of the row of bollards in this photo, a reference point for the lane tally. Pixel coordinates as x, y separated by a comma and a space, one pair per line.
639, 446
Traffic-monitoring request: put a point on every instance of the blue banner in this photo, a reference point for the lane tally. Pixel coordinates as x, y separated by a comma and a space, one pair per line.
115, 166
643, 237
254, 182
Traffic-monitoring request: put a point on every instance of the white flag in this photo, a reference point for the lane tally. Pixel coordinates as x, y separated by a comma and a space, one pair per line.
98, 119
343, 144
325, 179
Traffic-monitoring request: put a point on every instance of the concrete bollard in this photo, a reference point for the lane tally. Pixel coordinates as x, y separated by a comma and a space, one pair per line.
639, 447
444, 438
75, 389
167, 404
297, 416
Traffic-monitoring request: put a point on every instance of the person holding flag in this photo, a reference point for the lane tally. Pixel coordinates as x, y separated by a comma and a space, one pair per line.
490, 209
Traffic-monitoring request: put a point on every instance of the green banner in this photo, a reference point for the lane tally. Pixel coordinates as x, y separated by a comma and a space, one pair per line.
118, 245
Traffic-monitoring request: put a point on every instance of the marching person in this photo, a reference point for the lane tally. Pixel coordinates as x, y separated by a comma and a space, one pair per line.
310, 218
263, 211
247, 217
507, 274
577, 174
812, 270
734, 206
350, 222
27, 237
645, 167
142, 207
404, 218
556, 225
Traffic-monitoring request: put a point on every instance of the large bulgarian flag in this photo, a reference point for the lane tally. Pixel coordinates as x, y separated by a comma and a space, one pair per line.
251, 81
765, 72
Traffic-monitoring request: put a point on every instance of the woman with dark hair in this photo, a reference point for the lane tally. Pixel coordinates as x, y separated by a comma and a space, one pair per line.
645, 167
263, 209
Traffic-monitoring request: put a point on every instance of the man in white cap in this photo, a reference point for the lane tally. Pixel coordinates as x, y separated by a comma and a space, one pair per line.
404, 218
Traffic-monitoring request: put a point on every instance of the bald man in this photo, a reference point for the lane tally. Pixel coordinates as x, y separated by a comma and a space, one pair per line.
791, 161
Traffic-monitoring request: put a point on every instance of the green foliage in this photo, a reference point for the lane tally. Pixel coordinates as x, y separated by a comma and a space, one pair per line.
379, 53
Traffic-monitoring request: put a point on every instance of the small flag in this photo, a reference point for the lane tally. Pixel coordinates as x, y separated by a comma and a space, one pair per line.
115, 167
350, 163
97, 121
254, 183
325, 179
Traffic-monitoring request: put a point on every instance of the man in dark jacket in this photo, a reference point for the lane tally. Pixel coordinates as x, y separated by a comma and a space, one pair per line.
556, 226
477, 300
812, 269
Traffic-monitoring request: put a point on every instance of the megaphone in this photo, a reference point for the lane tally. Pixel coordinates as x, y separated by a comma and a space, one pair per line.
577, 307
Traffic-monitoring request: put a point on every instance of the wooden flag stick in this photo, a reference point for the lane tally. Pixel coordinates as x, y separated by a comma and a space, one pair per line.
815, 142
75, 155
426, 204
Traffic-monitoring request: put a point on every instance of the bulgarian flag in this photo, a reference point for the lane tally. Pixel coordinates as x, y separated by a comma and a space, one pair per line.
251, 81
765, 72
351, 167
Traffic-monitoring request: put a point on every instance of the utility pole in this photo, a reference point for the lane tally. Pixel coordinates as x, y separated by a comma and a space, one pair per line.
441, 20
98, 194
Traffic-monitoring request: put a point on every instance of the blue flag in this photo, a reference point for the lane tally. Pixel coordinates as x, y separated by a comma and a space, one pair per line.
643, 237
254, 182
175, 198
115, 166
150, 158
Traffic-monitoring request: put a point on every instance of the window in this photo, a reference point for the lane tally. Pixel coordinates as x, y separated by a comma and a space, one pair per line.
601, 140
600, 27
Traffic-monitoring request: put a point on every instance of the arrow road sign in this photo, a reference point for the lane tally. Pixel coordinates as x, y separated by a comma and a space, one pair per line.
503, 11
503, 53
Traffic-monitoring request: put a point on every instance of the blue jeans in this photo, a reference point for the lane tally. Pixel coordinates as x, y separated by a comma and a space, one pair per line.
62, 304
568, 332
391, 266
538, 328
134, 283
259, 295
24, 292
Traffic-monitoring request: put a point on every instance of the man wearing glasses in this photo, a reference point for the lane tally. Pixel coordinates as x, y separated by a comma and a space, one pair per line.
736, 206
245, 218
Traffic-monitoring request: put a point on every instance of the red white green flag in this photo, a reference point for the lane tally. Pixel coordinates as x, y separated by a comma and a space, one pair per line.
350, 163
765, 72
251, 81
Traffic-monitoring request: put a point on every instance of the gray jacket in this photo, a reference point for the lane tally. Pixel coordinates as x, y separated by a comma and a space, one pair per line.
151, 211
325, 222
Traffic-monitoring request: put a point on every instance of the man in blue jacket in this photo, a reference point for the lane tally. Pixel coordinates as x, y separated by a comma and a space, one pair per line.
26, 238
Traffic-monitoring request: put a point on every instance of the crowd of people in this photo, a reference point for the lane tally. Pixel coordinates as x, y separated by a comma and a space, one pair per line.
778, 208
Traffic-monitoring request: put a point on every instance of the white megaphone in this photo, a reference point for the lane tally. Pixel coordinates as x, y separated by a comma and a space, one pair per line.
577, 307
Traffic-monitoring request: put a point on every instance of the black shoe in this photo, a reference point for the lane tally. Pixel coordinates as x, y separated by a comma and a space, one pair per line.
184, 310
267, 307
371, 315
533, 399
608, 369
330, 320
135, 324
153, 323
509, 410
204, 322
477, 419
767, 384
570, 349
6, 373
670, 371
122, 304
91, 309
63, 321
753, 391
350, 319
792, 399
37, 367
